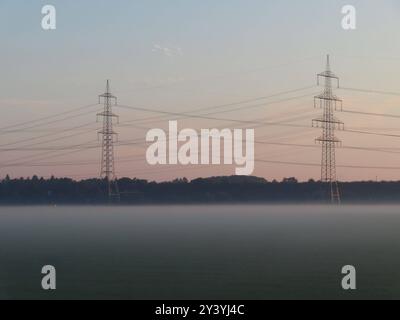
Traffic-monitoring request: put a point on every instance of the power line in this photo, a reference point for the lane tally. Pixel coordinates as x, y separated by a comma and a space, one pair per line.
70, 129
47, 118
59, 120
382, 150
145, 120
309, 164
386, 115
51, 151
204, 117
390, 93
373, 133
47, 135
47, 155
48, 130
252, 122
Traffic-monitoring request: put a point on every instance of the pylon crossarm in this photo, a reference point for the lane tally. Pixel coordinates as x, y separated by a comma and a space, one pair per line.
328, 98
107, 95
328, 75
321, 123
106, 132
322, 99
334, 141
107, 114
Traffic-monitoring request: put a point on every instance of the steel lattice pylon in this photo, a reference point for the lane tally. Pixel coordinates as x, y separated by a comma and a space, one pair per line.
108, 136
329, 123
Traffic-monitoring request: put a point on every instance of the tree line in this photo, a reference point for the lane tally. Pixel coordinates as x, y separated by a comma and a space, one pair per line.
234, 189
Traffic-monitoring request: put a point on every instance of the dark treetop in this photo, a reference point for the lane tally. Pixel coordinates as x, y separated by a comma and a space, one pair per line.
235, 189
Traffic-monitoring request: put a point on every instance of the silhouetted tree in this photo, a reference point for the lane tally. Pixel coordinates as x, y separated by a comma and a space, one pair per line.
235, 189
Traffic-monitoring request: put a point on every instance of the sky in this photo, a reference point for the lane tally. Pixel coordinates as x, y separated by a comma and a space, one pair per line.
179, 56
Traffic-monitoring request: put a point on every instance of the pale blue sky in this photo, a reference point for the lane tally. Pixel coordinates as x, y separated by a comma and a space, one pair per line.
114, 39
220, 51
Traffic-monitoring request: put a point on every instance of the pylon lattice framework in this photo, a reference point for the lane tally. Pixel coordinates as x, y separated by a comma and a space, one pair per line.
329, 123
108, 138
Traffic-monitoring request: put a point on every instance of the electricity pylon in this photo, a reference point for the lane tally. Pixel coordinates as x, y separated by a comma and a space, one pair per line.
108, 138
329, 123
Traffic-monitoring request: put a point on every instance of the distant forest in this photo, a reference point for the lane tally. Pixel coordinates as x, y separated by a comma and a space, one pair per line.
235, 189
